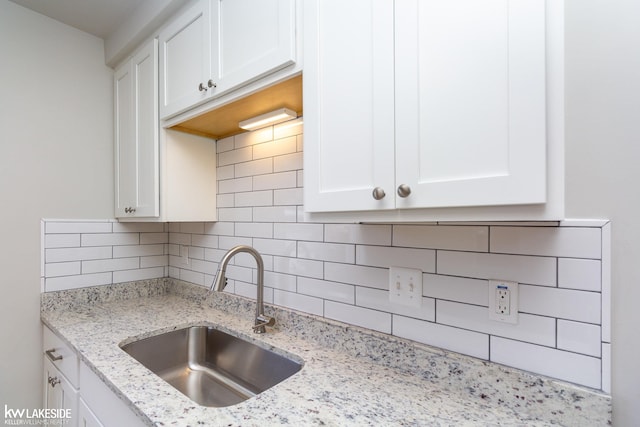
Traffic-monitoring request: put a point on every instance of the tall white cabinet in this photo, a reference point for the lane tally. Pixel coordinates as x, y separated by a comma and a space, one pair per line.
426, 104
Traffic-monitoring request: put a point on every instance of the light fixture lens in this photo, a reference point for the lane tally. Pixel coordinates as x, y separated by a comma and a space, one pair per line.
267, 119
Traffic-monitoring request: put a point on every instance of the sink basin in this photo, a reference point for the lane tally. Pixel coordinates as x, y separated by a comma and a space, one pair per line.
211, 367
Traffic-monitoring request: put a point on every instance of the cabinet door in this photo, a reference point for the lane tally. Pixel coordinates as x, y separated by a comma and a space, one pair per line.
59, 394
348, 105
136, 115
250, 38
86, 417
185, 52
470, 102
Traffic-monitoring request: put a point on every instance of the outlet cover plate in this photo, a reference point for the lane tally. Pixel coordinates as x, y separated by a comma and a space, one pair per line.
503, 301
405, 286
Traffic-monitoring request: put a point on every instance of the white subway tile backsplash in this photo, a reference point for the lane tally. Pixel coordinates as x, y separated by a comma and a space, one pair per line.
372, 277
299, 267
287, 162
255, 229
274, 148
226, 200
564, 365
275, 181
153, 238
300, 302
363, 234
470, 291
567, 242
251, 138
77, 254
289, 128
378, 299
606, 283
461, 238
235, 156
534, 329
180, 239
606, 368
235, 214
285, 282
286, 248
138, 227
521, 269
192, 227
578, 337
62, 241
228, 242
79, 281
154, 261
578, 273
254, 167
225, 144
254, 198
297, 231
57, 269
454, 339
287, 196
364, 317
204, 240
64, 227
138, 274
327, 290
334, 252
235, 185
561, 303
225, 172
386, 256
137, 250
219, 228
115, 264
275, 214
110, 239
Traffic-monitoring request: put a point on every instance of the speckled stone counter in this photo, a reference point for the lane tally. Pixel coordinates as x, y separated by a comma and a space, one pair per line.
351, 376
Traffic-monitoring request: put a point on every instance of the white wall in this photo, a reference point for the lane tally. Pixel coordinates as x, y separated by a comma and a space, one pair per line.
603, 172
56, 161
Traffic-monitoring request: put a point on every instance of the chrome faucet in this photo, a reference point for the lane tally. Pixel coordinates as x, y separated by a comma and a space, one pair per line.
220, 282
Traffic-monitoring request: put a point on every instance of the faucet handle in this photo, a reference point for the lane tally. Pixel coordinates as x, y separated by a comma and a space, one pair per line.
261, 322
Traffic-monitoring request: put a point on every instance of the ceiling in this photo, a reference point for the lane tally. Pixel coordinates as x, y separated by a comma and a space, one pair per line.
97, 17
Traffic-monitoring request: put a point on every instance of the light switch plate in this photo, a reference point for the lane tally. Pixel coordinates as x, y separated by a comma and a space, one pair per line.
405, 286
503, 301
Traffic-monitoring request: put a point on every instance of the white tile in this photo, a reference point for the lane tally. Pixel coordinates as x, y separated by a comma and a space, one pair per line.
576, 273
578, 337
235, 214
300, 143
57, 269
364, 234
364, 317
372, 277
386, 256
296, 231
227, 242
235, 156
226, 200
335, 252
534, 329
114, 239
517, 268
141, 250
277, 147
192, 277
288, 196
256, 137
61, 240
570, 242
79, 281
196, 252
298, 267
275, 181
138, 227
204, 240
154, 261
288, 128
295, 301
300, 178
288, 162
254, 198
225, 172
254, 167
78, 227
275, 214
201, 266
378, 299
174, 227
460, 289
102, 265
286, 282
285, 248
562, 303
219, 228
192, 227
454, 339
327, 290
153, 238
225, 144
463, 238
180, 239
242, 274
235, 185
575, 368
254, 229
606, 368
77, 254
248, 290
606, 283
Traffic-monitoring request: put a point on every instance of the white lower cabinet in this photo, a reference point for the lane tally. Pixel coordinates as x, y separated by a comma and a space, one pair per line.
71, 385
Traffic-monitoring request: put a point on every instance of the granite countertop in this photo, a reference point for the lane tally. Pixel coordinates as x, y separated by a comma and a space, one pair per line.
351, 376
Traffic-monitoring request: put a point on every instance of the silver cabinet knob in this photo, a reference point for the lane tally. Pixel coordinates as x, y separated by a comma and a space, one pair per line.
53, 380
129, 210
378, 193
210, 83
202, 87
404, 190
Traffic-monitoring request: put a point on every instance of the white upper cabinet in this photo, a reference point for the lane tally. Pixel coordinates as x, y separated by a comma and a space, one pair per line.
429, 104
136, 135
218, 46
185, 59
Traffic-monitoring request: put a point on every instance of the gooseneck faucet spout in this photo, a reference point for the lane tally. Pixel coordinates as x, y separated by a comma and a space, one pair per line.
220, 282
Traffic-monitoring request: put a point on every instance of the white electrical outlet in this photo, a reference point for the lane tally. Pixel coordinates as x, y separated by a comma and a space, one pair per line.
183, 260
405, 286
503, 301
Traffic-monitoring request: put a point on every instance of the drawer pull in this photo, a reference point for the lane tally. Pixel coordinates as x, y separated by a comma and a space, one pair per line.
52, 356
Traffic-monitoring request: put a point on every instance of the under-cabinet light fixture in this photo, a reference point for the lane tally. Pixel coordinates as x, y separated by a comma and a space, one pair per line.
267, 119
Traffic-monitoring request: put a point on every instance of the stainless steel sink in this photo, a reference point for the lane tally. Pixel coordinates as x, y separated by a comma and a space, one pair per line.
211, 367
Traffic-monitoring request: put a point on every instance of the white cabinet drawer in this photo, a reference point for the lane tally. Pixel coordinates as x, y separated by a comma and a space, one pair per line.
60, 355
